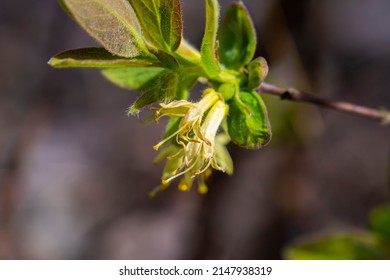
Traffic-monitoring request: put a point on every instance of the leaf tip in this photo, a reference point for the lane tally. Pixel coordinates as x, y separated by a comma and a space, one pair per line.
53, 62
133, 111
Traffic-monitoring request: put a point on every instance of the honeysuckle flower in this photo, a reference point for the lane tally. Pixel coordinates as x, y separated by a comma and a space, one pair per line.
196, 149
192, 115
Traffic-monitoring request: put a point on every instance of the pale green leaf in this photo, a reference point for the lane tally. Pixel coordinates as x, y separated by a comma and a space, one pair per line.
209, 43
136, 78
113, 23
97, 58
161, 21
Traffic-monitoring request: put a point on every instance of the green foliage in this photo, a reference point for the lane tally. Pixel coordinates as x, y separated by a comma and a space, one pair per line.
136, 78
347, 245
167, 60
237, 38
380, 221
161, 22
248, 123
208, 49
371, 244
350, 245
143, 50
162, 87
112, 23
98, 58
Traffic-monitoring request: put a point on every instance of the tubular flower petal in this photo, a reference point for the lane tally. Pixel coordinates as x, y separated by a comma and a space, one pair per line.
197, 142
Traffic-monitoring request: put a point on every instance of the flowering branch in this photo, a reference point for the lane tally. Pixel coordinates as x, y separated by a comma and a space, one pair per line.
144, 50
300, 96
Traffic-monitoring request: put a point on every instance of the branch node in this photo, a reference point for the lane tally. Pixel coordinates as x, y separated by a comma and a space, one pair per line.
286, 95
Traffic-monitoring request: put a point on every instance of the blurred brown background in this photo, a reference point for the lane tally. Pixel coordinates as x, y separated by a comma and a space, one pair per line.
75, 172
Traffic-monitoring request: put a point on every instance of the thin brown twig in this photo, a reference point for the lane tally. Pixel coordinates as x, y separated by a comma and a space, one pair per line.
300, 96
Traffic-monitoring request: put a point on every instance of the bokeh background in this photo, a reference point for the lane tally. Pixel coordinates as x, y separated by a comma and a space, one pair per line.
75, 172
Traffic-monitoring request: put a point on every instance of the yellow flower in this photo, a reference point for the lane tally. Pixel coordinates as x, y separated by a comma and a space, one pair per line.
191, 114
198, 147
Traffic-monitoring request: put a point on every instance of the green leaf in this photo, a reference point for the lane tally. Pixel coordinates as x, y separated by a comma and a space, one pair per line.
113, 23
166, 59
135, 78
257, 71
97, 58
380, 220
162, 88
351, 245
237, 37
208, 49
161, 21
248, 123
171, 23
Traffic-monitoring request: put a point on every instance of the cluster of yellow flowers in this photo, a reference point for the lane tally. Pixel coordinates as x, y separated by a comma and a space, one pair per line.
197, 145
